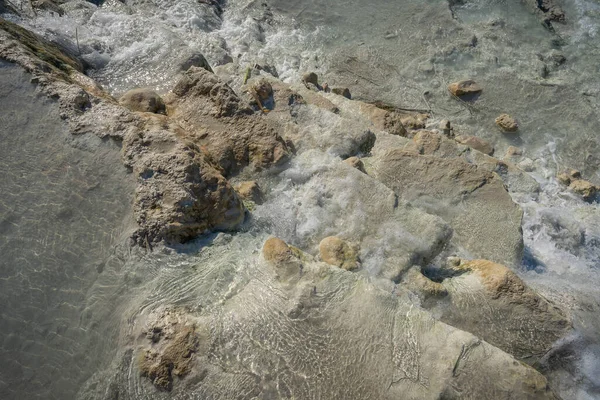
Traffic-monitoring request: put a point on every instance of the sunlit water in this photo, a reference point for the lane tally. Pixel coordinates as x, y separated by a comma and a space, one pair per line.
402, 52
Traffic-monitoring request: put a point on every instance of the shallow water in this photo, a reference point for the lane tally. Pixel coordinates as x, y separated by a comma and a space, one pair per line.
402, 52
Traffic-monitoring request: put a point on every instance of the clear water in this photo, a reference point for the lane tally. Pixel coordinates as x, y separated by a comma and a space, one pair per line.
404, 52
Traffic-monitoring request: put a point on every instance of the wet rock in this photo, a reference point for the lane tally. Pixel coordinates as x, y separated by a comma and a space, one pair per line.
169, 346
464, 88
507, 123
250, 190
569, 175
476, 143
174, 359
47, 5
342, 92
195, 60
311, 78
474, 201
385, 120
586, 189
179, 195
513, 151
356, 162
223, 125
283, 257
424, 286
414, 122
143, 100
492, 302
338, 252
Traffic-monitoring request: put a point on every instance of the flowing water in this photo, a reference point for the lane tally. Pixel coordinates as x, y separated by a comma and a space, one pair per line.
67, 284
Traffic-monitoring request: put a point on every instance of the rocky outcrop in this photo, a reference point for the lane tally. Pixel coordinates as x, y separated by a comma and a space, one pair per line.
492, 302
143, 100
223, 125
169, 345
486, 222
180, 195
338, 252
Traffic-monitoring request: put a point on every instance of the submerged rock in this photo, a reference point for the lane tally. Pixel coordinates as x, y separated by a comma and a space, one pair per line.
336, 251
268, 331
492, 302
474, 201
143, 100
507, 123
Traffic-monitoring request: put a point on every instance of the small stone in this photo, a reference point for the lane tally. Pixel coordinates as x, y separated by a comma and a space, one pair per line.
335, 251
476, 143
249, 190
513, 151
584, 188
312, 78
466, 87
355, 162
507, 123
342, 92
143, 100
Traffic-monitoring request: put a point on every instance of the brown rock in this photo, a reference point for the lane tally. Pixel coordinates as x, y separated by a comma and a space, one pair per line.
223, 125
249, 190
342, 92
584, 188
311, 78
179, 195
175, 358
277, 251
476, 143
568, 175
143, 100
385, 120
466, 87
513, 151
507, 123
445, 127
355, 162
335, 251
